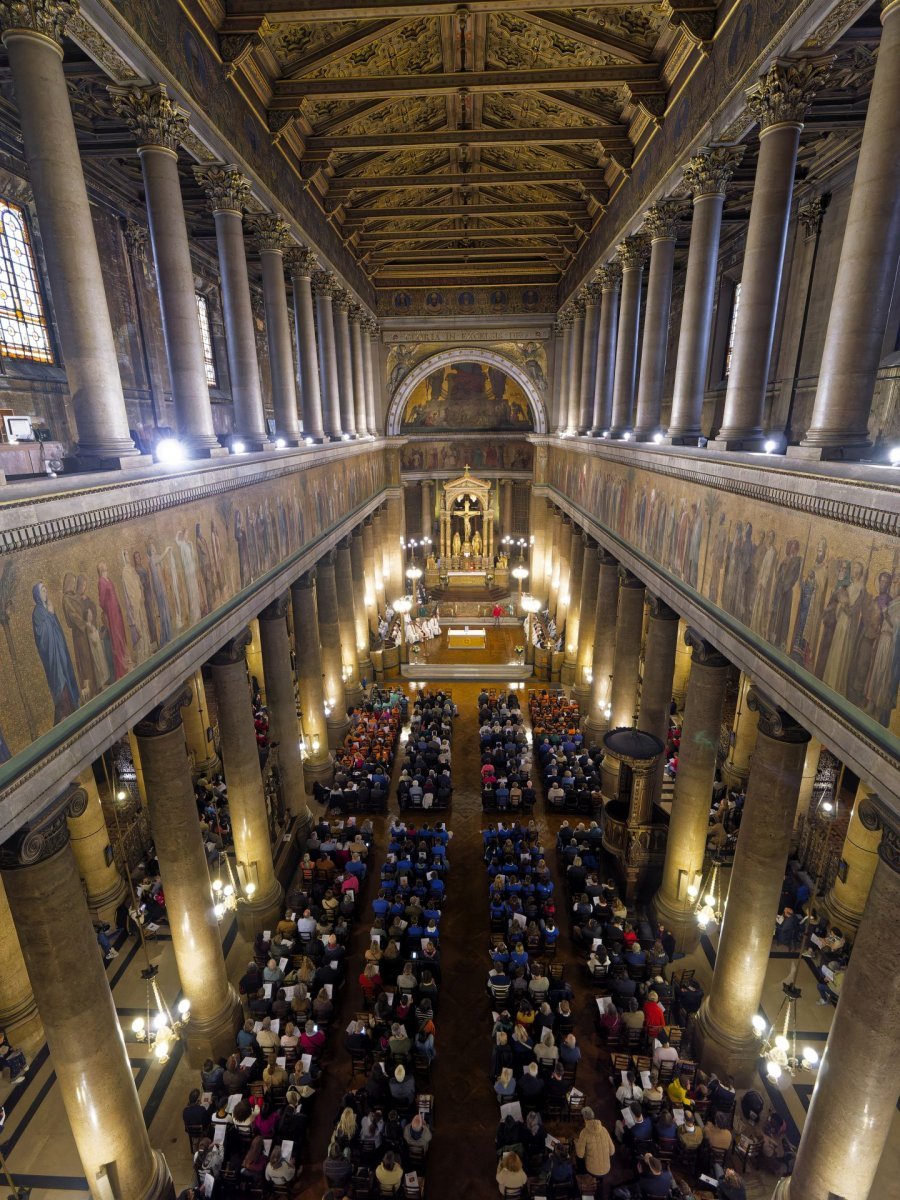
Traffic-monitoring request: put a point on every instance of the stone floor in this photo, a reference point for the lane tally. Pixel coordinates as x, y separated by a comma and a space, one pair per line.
41, 1153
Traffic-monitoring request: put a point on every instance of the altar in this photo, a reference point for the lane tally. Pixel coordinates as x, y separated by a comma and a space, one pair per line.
466, 638
467, 524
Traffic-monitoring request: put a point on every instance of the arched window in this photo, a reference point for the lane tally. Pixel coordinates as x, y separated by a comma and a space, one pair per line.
23, 322
208, 359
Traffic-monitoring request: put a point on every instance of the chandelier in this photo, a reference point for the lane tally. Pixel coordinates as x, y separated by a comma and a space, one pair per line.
779, 1040
160, 1029
707, 897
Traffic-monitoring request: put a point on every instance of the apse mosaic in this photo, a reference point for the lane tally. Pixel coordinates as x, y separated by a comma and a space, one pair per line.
467, 395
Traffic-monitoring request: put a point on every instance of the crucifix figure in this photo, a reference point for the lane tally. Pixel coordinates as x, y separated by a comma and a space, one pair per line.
467, 513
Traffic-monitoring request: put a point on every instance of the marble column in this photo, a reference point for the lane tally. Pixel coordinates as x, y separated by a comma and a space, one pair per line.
87, 1048
340, 305
537, 524
246, 797
689, 821
356, 319
198, 728
374, 592
727, 1042
343, 578
707, 175
564, 551
319, 764
216, 1012
682, 666
846, 898
255, 665
506, 507
846, 1131
807, 783
323, 288
659, 670
18, 1011
426, 487
779, 102
379, 527
736, 769
566, 319
590, 571
104, 887
273, 238
632, 255
553, 566
661, 227
867, 269
573, 372
573, 609
627, 658
370, 338
395, 531
301, 262
610, 280
605, 613
227, 191
588, 382
32, 34
556, 379
159, 127
281, 703
328, 609
360, 607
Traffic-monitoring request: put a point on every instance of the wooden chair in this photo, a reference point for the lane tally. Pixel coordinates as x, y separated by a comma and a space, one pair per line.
415, 1158
746, 1151
195, 1133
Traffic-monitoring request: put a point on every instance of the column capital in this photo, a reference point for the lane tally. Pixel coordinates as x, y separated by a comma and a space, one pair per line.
773, 721
227, 189
300, 261
48, 18
610, 277
709, 172
811, 213
784, 93
46, 834
374, 329
306, 581
341, 300
233, 651
566, 317
324, 284
607, 559
152, 117
578, 305
661, 221
270, 232
659, 610
357, 315
874, 814
592, 293
703, 651
166, 716
277, 610
633, 252
627, 580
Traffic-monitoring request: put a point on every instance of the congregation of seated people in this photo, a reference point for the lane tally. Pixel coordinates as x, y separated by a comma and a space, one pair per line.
363, 763
506, 784
425, 780
570, 769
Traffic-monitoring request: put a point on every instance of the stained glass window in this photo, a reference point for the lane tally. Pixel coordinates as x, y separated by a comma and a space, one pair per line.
208, 360
23, 322
735, 304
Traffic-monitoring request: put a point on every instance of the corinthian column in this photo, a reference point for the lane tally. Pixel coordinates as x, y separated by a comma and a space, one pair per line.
627, 657
779, 102
343, 578
370, 344
227, 191
360, 606
659, 670
632, 255
319, 764
573, 369
563, 350
707, 175
32, 34
727, 1040
272, 238
867, 269
215, 1007
282, 703
661, 227
301, 263
18, 1011
341, 306
323, 288
573, 608
846, 899
610, 280
605, 613
586, 610
159, 127
356, 319
588, 382
76, 1006
104, 887
328, 608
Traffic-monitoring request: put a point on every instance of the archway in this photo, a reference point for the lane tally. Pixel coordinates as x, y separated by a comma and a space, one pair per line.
489, 358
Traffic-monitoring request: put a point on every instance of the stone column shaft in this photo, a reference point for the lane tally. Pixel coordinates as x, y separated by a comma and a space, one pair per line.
610, 278
18, 1011
328, 609
379, 526
506, 506
282, 704
632, 253
564, 550
340, 306
590, 573
301, 264
867, 269
374, 590
427, 508
370, 342
104, 887
272, 234
74, 271
846, 900
728, 1042
737, 767
246, 797
76, 1006
573, 370
323, 286
255, 665
588, 377
565, 373
343, 578
682, 666
573, 609
689, 822
842, 1125
626, 663
605, 614
360, 607
359, 373
197, 727
394, 531
537, 524
661, 226
308, 659
659, 670
215, 1007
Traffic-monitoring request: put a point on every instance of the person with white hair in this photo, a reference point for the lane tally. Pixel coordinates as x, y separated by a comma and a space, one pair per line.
596, 1147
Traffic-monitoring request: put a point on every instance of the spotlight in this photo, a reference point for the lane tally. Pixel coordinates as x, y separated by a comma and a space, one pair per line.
894, 456
810, 1056
657, 437
773, 1070
238, 448
345, 437
759, 1024
280, 443
626, 436
770, 445
170, 452
308, 441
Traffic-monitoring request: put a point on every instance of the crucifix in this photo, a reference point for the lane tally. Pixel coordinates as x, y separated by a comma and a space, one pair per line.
467, 513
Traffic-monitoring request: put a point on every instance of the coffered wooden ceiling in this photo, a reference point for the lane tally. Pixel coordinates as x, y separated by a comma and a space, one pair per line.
449, 140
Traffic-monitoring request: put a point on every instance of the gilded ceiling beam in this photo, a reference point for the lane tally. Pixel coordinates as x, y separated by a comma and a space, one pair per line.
242, 13
488, 254
609, 135
359, 216
562, 233
370, 183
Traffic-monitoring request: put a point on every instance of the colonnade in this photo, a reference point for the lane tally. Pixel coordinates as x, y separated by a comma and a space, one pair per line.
630, 638
598, 392
350, 391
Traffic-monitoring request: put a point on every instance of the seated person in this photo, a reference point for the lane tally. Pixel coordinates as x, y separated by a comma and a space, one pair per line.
510, 1173
690, 1135
718, 1137
654, 1180
389, 1172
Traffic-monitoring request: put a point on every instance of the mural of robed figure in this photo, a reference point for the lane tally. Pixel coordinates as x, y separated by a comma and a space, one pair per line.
54, 654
